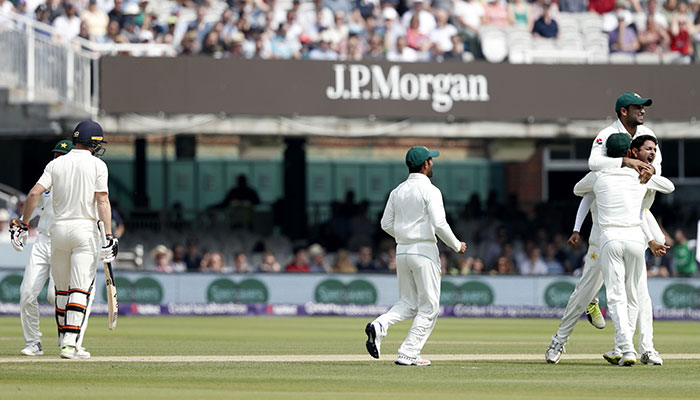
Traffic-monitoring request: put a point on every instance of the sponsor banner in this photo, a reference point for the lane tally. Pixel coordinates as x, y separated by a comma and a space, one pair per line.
444, 91
144, 293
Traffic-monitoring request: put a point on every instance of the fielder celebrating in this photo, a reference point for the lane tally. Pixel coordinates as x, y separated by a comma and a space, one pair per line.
80, 195
644, 149
37, 270
619, 199
413, 215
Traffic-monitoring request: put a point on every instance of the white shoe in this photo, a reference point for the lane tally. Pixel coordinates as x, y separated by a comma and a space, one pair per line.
374, 338
595, 317
412, 361
68, 352
553, 353
33, 349
628, 359
613, 356
651, 358
81, 353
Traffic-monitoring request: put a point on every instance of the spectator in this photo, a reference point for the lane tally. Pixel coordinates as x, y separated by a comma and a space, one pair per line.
623, 39
269, 263
463, 266
387, 259
114, 33
653, 39
611, 20
496, 14
178, 262
323, 51
342, 264
283, 48
686, 265
96, 20
545, 26
212, 45
653, 12
193, 259
478, 267
200, 25
504, 266
376, 49
554, 267
601, 6
162, 256
572, 6
213, 262
457, 52
426, 20
445, 264
416, 39
442, 35
520, 14
533, 264
351, 49
241, 193
84, 33
681, 32
240, 264
402, 53
469, 15
300, 263
68, 25
116, 13
318, 261
392, 27
365, 262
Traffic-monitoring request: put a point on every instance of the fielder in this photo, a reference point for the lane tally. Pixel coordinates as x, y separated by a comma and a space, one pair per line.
36, 271
643, 148
621, 218
414, 214
80, 196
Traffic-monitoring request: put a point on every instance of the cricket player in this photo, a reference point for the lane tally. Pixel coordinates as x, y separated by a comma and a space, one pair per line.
80, 197
414, 214
37, 270
619, 197
630, 113
643, 148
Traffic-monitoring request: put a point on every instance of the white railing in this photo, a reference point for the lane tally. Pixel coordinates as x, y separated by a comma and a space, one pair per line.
44, 67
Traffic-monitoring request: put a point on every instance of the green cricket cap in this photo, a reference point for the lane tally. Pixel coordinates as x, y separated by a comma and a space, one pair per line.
618, 144
63, 147
417, 155
629, 98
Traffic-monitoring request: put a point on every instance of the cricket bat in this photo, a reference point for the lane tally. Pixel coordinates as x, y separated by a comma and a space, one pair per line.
110, 286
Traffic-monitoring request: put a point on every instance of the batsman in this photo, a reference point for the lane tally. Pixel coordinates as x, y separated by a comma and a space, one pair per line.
78, 181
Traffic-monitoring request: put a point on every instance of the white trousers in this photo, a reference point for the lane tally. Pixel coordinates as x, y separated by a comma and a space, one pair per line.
623, 264
586, 290
74, 255
36, 273
419, 295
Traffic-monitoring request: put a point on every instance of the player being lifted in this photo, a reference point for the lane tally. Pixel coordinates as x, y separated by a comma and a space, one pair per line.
79, 185
630, 110
413, 215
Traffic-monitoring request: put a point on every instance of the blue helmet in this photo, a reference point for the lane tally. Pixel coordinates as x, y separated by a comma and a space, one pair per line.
89, 134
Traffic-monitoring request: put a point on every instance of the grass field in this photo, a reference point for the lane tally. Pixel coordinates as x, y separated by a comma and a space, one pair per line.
479, 376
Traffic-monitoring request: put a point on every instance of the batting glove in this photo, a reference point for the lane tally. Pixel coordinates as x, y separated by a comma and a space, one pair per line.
18, 236
110, 250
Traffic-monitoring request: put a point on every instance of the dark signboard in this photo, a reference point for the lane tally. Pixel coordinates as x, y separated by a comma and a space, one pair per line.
471, 91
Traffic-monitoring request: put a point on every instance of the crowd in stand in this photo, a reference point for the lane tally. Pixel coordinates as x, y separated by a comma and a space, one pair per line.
502, 240
394, 30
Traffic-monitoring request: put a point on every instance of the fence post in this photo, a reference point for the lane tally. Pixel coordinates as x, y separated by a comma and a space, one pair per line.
70, 72
31, 75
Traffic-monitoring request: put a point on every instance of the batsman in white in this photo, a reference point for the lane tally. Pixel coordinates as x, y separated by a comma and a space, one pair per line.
623, 238
80, 196
413, 215
643, 148
36, 272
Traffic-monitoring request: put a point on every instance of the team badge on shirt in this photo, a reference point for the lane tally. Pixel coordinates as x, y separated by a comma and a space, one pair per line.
599, 141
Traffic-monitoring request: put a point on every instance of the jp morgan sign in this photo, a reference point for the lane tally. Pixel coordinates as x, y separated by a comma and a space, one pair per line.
475, 91
369, 82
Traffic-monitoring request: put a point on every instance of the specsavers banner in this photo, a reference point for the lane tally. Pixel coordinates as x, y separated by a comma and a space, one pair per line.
319, 294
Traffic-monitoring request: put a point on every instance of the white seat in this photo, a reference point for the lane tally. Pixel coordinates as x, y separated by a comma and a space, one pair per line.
545, 56
570, 44
621, 58
494, 46
648, 58
520, 55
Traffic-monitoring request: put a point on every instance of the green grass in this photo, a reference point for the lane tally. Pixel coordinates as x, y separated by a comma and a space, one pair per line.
142, 336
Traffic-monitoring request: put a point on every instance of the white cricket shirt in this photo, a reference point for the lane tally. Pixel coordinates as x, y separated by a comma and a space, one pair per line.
599, 160
73, 180
415, 214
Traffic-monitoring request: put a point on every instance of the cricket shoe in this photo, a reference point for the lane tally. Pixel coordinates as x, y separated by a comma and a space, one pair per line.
374, 338
71, 352
412, 361
651, 358
613, 357
553, 353
33, 349
628, 360
595, 317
